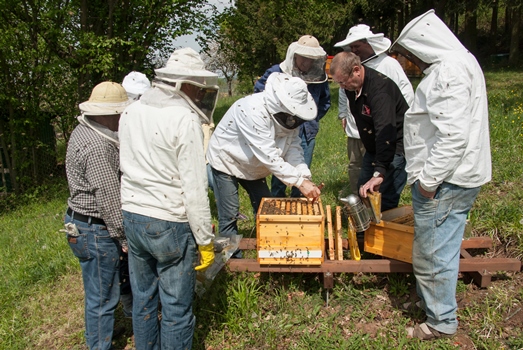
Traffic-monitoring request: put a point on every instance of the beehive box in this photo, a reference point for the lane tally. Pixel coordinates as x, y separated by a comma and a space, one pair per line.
290, 231
393, 236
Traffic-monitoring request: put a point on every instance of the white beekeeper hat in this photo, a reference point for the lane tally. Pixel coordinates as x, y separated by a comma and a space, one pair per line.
186, 64
309, 46
106, 98
378, 42
136, 83
291, 94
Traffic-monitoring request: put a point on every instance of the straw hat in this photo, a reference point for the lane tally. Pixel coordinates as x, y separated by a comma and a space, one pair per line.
106, 98
186, 64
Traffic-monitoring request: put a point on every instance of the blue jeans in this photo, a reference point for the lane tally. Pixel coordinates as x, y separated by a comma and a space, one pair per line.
162, 258
228, 203
439, 224
393, 183
277, 187
99, 259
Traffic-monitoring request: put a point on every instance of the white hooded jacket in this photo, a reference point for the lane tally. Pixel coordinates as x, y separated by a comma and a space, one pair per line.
446, 131
162, 161
250, 145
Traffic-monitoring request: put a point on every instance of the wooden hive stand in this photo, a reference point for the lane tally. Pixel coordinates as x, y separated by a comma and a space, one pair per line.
381, 239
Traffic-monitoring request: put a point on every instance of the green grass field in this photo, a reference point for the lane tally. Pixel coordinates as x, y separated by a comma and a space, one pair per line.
41, 294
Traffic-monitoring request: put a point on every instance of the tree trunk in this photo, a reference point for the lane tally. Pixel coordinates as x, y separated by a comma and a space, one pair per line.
229, 86
440, 9
471, 30
514, 35
494, 19
508, 21
12, 152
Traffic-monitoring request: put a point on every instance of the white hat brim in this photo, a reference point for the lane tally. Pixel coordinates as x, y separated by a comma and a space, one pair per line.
357, 37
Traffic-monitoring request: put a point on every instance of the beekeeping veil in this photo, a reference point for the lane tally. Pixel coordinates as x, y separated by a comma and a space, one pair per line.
306, 59
288, 100
377, 41
185, 66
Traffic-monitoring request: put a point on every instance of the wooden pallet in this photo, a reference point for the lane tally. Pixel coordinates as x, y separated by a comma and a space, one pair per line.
480, 269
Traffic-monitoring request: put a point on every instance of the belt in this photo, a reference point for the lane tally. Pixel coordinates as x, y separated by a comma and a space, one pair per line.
84, 218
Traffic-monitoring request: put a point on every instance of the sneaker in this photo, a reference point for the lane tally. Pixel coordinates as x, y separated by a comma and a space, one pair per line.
424, 332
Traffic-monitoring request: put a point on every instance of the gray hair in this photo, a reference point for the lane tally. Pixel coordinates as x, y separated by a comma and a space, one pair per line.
344, 62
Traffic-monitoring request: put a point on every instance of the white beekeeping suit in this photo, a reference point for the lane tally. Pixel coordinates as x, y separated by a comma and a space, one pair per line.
250, 143
446, 128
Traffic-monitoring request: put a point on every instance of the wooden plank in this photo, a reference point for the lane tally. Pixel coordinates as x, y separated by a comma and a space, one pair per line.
373, 266
481, 278
328, 280
477, 242
339, 229
290, 218
391, 243
329, 232
471, 243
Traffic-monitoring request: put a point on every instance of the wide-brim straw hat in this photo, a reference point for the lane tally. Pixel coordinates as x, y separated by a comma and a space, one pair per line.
107, 98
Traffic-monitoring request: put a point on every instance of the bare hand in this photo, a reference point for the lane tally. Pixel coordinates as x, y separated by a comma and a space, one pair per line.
373, 185
425, 193
344, 123
309, 189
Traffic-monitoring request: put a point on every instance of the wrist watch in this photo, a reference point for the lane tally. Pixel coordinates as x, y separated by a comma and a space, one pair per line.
377, 174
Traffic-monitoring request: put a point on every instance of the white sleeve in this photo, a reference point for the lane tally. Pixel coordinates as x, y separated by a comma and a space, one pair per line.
193, 176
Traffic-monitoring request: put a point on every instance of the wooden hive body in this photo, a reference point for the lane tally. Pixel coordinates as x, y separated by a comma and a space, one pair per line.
290, 231
393, 236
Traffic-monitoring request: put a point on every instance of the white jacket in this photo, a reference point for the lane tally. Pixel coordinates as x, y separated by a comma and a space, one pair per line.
250, 145
393, 70
446, 131
163, 163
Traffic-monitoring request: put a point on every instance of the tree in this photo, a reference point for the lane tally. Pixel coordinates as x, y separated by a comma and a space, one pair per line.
219, 58
262, 30
515, 25
53, 52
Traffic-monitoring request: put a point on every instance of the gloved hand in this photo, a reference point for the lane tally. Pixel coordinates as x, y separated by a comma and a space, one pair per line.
206, 256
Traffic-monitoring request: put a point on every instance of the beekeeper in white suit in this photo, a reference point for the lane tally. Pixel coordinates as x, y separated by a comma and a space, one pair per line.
136, 83
372, 51
165, 202
258, 136
447, 148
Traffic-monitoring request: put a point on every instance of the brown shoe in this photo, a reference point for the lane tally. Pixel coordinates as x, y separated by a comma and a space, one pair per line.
424, 332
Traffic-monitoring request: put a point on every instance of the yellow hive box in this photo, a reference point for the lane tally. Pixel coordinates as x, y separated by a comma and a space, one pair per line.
393, 236
290, 231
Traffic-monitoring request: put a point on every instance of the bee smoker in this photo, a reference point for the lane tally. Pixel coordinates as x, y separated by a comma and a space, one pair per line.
358, 212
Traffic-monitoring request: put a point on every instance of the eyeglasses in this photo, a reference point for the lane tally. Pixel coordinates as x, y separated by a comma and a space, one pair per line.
288, 121
344, 81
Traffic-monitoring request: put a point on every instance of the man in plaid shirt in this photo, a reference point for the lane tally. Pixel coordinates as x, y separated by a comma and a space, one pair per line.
93, 220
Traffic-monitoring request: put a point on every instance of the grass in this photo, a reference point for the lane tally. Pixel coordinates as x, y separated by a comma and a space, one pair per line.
41, 294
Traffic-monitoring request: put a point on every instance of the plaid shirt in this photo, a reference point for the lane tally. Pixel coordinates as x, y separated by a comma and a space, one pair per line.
92, 166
